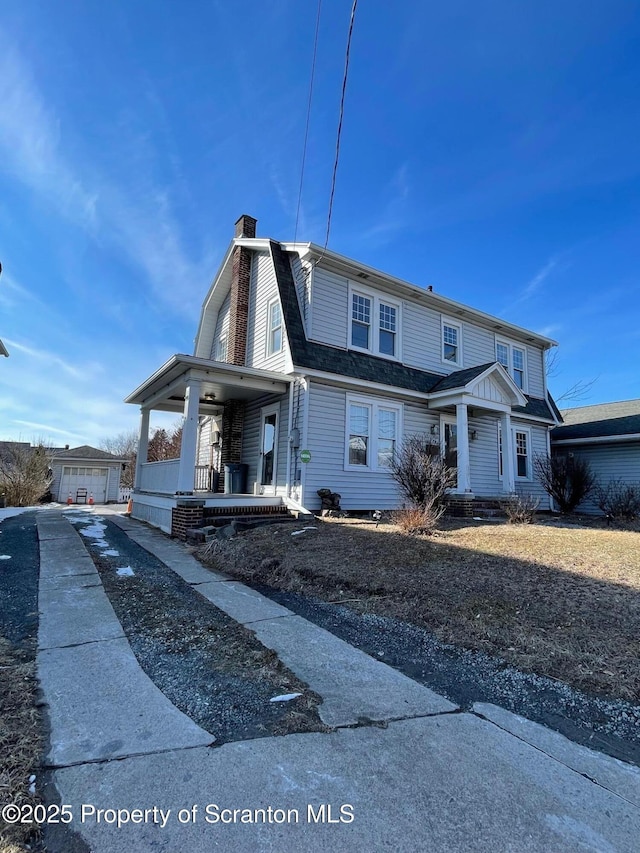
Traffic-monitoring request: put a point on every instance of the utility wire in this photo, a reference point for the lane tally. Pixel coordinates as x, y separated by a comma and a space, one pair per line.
339, 134
306, 129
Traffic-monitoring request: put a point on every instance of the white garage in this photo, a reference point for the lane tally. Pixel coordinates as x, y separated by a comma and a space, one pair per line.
82, 472
82, 483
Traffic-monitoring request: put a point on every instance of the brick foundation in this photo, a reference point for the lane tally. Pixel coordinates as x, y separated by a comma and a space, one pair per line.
185, 515
460, 506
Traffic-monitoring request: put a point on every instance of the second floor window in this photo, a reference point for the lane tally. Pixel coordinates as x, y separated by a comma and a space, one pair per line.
360, 321
374, 324
220, 349
514, 360
451, 342
274, 332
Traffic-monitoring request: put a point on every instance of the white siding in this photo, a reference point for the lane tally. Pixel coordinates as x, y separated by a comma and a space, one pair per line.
538, 448
251, 440
360, 490
204, 442
330, 308
222, 325
608, 462
421, 338
483, 455
263, 289
535, 371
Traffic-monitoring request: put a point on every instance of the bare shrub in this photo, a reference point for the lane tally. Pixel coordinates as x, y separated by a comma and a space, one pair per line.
520, 509
416, 521
25, 472
619, 500
422, 474
567, 479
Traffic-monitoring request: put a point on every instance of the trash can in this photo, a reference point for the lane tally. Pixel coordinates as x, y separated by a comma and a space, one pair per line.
235, 478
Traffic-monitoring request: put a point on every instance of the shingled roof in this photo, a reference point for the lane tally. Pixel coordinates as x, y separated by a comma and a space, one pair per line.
85, 451
606, 420
369, 368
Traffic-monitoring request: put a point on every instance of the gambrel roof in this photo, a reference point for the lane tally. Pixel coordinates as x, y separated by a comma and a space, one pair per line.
370, 368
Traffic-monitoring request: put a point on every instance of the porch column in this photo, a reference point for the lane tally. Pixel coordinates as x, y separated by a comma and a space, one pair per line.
143, 445
464, 468
189, 447
508, 479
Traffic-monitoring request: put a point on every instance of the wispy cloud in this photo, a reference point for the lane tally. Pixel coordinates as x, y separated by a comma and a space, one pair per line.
48, 358
394, 213
141, 225
48, 428
535, 283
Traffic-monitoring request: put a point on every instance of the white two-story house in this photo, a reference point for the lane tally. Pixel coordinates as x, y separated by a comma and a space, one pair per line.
309, 370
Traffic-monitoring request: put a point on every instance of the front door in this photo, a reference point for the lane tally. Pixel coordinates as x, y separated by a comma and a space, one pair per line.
269, 449
449, 432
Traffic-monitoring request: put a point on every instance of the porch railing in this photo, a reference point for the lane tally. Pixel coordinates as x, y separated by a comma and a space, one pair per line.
160, 476
203, 481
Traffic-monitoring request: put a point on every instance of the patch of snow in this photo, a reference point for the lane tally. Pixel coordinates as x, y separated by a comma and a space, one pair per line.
304, 530
5, 557
125, 572
285, 697
110, 552
9, 511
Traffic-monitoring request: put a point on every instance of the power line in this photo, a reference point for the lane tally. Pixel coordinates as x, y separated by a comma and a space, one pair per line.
341, 116
306, 129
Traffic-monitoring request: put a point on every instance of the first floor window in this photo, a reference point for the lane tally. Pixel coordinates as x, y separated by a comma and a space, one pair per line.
522, 467
359, 418
373, 432
521, 442
387, 436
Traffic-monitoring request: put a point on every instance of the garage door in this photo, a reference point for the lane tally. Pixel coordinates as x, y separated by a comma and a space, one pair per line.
94, 480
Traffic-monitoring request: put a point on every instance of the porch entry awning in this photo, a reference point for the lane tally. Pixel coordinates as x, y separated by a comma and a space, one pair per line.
487, 386
165, 390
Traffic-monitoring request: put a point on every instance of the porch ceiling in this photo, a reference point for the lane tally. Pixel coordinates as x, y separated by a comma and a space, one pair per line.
165, 389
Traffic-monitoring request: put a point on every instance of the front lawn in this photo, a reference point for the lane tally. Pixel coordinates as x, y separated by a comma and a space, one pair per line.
554, 598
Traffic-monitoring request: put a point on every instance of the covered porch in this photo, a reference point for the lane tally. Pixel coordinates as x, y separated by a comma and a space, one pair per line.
464, 401
173, 492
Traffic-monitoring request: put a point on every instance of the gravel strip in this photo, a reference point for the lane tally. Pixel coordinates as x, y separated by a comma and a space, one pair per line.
209, 666
466, 677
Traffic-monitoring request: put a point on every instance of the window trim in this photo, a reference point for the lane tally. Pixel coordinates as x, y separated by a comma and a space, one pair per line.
511, 345
270, 329
374, 404
454, 324
222, 343
376, 299
515, 429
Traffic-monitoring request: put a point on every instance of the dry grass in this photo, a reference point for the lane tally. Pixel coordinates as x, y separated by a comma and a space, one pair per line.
556, 599
21, 743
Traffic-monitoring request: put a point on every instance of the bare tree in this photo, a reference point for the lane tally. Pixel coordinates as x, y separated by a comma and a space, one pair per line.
124, 445
25, 472
567, 478
423, 477
576, 392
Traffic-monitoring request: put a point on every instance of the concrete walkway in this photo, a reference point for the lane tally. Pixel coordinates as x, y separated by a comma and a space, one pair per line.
403, 769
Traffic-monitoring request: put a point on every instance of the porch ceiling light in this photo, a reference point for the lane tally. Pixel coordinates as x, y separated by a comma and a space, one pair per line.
209, 398
434, 429
473, 434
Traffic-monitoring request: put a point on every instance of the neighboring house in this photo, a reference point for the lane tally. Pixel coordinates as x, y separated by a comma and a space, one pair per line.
607, 436
310, 368
85, 470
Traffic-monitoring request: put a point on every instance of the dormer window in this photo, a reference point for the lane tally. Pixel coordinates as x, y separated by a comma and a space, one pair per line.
374, 324
514, 360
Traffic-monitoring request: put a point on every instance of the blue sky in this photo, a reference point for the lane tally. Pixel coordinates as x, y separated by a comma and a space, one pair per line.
489, 149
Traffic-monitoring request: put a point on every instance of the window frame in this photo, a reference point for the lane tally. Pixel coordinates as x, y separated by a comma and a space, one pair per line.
376, 301
271, 304
510, 368
221, 347
374, 405
453, 324
514, 430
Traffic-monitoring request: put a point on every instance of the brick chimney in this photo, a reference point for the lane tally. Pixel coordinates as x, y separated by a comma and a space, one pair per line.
240, 283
